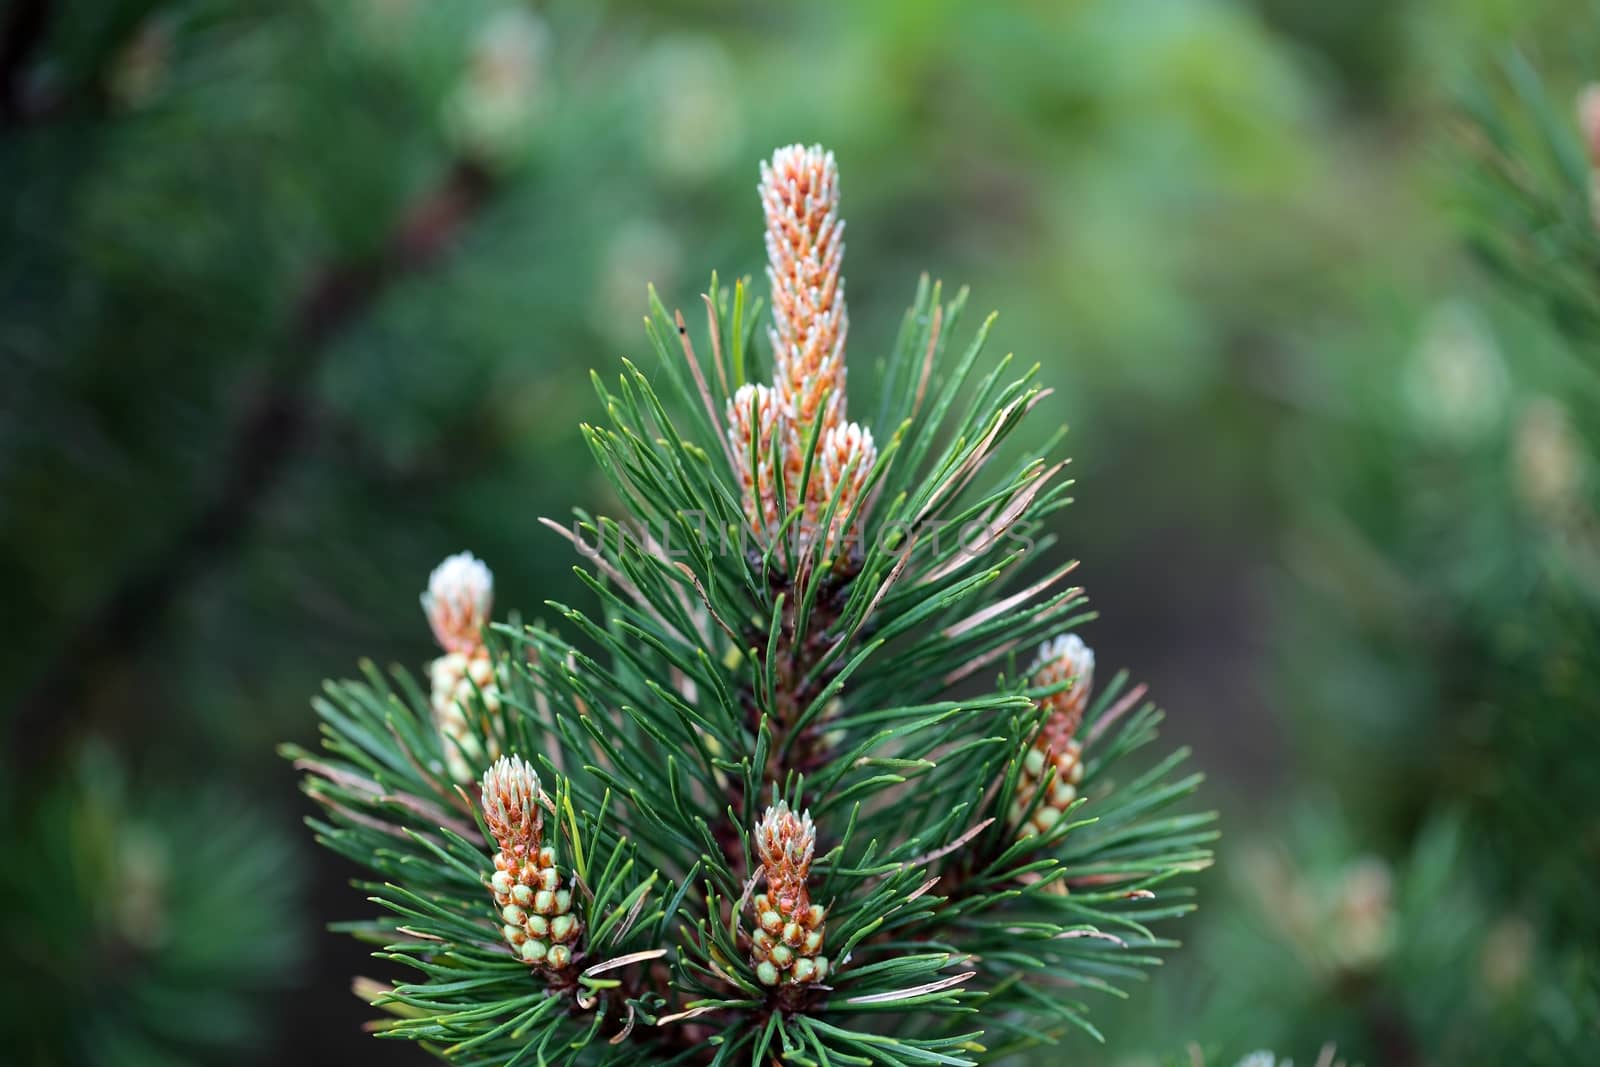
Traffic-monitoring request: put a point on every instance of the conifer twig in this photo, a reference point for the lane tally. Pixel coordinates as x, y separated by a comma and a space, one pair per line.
803, 824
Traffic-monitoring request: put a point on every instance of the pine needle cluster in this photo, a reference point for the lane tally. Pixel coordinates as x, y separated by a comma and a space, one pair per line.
823, 779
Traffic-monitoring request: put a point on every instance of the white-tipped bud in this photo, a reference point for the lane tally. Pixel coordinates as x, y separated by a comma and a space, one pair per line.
786, 840
846, 456
1060, 659
460, 594
510, 798
785, 843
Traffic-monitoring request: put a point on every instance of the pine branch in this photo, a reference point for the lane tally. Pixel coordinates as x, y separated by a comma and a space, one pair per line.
748, 810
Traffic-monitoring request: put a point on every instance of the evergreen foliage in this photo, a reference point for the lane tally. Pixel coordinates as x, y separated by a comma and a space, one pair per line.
876, 678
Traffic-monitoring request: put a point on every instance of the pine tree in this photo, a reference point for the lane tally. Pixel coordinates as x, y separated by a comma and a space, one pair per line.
801, 788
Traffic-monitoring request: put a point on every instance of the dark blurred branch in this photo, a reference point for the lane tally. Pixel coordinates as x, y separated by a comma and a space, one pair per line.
344, 292
24, 28
264, 439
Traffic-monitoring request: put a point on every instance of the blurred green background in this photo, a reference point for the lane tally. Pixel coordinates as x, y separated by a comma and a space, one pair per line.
298, 297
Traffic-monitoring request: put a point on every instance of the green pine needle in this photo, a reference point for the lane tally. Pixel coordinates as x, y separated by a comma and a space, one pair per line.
663, 723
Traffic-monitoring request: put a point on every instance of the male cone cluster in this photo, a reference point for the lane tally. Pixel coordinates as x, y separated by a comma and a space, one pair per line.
786, 947
1055, 752
805, 248
539, 923
460, 592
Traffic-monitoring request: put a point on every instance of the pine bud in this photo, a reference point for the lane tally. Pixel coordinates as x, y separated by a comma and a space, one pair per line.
1067, 657
786, 945
539, 922
510, 798
1055, 753
846, 456
805, 248
460, 592
753, 419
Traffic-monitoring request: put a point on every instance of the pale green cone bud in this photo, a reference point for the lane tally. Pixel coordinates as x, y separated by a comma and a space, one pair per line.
788, 927
1065, 771
526, 881
457, 680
